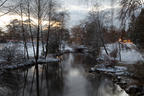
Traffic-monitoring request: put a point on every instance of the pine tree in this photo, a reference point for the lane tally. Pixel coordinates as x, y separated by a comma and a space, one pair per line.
138, 33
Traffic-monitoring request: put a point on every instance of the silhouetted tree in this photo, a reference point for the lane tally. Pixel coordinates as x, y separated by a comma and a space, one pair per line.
138, 32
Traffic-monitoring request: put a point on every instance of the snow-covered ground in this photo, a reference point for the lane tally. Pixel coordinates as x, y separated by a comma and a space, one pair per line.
66, 47
20, 46
128, 53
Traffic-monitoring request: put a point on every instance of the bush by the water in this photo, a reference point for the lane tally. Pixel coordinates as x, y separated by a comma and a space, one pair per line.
12, 54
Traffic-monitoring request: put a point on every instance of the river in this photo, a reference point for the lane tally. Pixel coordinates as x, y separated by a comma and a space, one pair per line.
68, 78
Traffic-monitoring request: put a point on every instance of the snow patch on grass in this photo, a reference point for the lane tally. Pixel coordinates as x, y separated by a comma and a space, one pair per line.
129, 52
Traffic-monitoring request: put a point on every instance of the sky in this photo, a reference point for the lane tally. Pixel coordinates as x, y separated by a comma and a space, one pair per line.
77, 9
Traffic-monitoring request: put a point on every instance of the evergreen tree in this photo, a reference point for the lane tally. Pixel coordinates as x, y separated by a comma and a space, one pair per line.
138, 33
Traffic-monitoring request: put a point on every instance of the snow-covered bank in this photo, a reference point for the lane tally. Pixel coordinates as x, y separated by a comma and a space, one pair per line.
127, 72
127, 53
66, 48
20, 46
15, 52
30, 62
115, 70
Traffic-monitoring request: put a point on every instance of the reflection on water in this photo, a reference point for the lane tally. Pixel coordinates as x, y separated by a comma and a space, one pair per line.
9, 83
69, 78
75, 82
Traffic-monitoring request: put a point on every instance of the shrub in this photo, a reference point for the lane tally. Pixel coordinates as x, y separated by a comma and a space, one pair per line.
12, 54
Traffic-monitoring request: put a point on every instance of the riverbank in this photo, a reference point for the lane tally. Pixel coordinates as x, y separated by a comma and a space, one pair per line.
72, 74
128, 77
29, 63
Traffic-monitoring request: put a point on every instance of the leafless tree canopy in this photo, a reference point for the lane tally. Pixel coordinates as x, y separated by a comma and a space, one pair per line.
129, 7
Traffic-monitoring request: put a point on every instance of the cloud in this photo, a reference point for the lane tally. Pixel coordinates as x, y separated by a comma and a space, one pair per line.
6, 19
78, 10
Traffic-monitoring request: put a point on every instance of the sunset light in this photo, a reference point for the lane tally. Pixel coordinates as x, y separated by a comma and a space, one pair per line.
71, 48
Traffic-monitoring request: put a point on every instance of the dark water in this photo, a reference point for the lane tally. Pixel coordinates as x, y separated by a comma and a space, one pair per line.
69, 78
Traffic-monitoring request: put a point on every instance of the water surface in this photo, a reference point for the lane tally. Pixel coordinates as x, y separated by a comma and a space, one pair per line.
68, 78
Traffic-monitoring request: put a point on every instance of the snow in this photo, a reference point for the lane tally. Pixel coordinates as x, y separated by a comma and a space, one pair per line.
30, 62
68, 48
31, 52
130, 57
118, 70
129, 52
20, 46
30, 49
109, 89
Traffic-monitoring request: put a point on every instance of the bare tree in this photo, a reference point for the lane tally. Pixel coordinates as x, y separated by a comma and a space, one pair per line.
98, 18
51, 10
62, 19
30, 23
37, 46
128, 9
23, 31
3, 2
